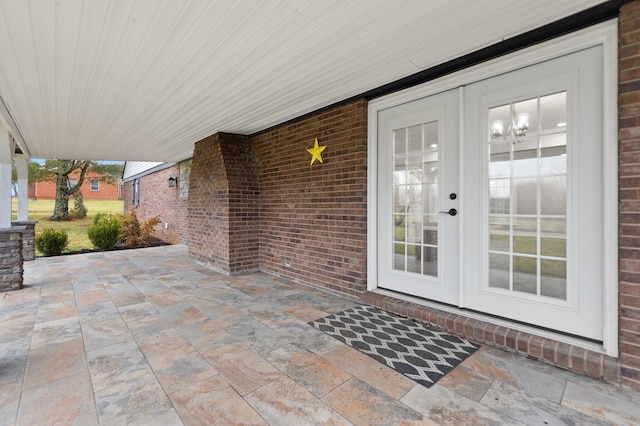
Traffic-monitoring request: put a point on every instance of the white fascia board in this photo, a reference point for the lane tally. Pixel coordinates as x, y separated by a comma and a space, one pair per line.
144, 169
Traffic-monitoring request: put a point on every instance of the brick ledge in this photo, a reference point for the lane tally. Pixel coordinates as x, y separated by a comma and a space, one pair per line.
563, 355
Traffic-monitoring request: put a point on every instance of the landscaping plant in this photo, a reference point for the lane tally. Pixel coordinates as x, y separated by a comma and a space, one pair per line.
136, 234
104, 233
52, 242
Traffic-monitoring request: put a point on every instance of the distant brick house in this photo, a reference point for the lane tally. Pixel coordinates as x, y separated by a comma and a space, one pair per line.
93, 188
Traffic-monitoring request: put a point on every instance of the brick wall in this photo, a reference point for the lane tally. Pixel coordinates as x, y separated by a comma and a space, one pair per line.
47, 190
244, 203
629, 192
157, 198
314, 218
223, 206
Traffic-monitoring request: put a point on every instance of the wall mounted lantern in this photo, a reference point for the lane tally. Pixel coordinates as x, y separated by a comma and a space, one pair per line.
172, 181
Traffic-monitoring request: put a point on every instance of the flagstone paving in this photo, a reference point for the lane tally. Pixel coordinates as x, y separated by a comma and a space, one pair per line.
149, 337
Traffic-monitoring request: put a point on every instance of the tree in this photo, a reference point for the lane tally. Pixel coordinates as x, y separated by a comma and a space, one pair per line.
63, 188
110, 172
58, 171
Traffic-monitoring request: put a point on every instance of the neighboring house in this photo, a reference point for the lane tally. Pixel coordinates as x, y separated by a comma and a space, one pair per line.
507, 176
146, 189
93, 188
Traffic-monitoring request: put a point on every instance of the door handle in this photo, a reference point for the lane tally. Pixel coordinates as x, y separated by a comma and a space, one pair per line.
450, 212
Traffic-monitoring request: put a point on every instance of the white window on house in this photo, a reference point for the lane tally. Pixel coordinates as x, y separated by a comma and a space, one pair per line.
72, 183
135, 191
95, 185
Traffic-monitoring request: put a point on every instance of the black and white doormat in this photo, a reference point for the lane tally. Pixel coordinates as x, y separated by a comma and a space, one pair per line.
422, 354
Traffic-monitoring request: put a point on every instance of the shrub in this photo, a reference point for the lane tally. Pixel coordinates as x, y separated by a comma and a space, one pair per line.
105, 232
51, 242
97, 217
136, 234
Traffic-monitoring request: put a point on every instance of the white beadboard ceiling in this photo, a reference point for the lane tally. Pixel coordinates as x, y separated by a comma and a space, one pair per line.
145, 79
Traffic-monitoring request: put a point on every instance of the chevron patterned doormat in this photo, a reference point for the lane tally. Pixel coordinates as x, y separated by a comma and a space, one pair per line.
424, 355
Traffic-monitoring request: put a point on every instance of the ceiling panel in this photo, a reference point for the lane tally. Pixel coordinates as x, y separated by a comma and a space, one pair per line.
145, 79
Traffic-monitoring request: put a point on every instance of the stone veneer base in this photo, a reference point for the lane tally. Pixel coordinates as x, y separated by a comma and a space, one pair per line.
11, 267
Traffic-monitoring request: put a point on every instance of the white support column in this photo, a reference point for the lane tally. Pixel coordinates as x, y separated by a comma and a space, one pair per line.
22, 168
6, 160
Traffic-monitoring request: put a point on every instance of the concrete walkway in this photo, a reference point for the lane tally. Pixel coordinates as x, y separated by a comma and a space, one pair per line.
149, 337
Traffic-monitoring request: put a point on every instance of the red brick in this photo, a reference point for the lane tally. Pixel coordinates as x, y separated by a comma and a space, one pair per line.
549, 350
577, 359
500, 336
469, 326
632, 361
630, 377
511, 339
535, 346
562, 355
594, 365
610, 370
522, 342
478, 331
489, 336
450, 322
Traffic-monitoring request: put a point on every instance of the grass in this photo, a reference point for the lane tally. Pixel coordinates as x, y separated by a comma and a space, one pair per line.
77, 229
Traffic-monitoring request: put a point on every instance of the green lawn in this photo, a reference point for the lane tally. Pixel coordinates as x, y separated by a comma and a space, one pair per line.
41, 210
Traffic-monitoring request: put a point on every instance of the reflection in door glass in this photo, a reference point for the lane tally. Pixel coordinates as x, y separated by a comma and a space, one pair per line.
527, 174
416, 199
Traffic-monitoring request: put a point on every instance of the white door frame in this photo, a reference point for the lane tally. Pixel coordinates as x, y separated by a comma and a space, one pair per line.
604, 34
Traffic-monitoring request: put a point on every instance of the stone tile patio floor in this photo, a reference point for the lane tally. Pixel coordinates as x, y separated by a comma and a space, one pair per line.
149, 337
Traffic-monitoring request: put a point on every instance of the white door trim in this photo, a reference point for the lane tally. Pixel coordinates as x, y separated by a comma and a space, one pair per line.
604, 34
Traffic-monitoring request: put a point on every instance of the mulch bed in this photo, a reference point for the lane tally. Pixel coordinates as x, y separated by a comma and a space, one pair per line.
153, 242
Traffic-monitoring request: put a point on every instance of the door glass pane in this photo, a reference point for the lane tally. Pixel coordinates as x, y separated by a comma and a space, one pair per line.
553, 112
498, 234
413, 260
525, 274
499, 270
525, 115
500, 182
553, 190
527, 174
525, 236
553, 237
414, 134
400, 141
553, 280
414, 228
416, 199
526, 196
430, 245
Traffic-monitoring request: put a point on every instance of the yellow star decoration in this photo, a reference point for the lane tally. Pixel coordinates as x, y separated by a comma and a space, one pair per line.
316, 152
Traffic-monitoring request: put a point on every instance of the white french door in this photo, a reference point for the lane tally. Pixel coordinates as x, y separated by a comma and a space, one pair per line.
418, 221
505, 217
534, 178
